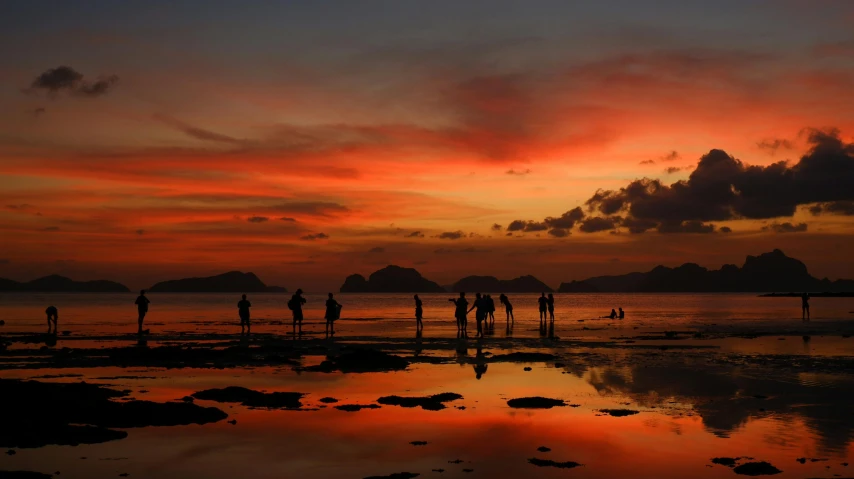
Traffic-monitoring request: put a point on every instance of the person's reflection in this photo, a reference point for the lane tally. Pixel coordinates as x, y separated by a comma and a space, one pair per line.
419, 344
551, 329
480, 365
462, 347
142, 342
50, 340
543, 329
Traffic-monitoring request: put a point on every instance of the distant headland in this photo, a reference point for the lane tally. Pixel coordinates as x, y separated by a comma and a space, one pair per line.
231, 282
60, 284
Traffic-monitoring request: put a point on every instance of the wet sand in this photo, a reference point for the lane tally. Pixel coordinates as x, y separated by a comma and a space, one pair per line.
615, 400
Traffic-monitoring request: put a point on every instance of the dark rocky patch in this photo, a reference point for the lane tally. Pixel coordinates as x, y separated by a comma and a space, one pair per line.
725, 461
536, 402
418, 443
756, 469
23, 475
396, 475
355, 407
328, 400
251, 398
81, 413
543, 449
549, 463
11, 452
361, 361
619, 412
429, 403
527, 368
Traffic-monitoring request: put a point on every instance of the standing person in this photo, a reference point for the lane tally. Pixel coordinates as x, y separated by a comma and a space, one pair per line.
805, 307
551, 304
622, 314
480, 306
333, 311
461, 312
52, 314
508, 308
142, 308
419, 312
543, 306
295, 305
243, 310
490, 305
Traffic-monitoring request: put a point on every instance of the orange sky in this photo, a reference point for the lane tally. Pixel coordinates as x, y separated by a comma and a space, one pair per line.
307, 154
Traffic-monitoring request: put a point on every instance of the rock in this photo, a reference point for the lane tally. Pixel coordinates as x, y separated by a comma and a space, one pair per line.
429, 403
396, 475
361, 361
543, 449
756, 469
725, 461
84, 415
527, 368
802, 460
250, 398
418, 443
232, 422
536, 402
355, 407
549, 463
619, 412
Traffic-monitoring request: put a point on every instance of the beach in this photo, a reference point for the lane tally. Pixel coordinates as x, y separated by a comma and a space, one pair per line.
683, 380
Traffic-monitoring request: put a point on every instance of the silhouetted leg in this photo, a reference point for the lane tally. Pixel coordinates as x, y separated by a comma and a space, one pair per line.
139, 321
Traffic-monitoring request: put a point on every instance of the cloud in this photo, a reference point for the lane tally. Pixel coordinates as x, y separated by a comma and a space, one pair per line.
516, 225
673, 169
647, 162
288, 219
518, 173
724, 188
37, 112
196, 132
20, 206
257, 219
443, 251
452, 235
725, 229
50, 228
472, 249
497, 227
691, 226
785, 227
415, 234
672, 156
509, 234
566, 220
533, 226
775, 144
312, 237
559, 232
845, 208
67, 79
140, 232
595, 224
376, 249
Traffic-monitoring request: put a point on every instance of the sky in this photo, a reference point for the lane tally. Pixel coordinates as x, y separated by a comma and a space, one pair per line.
306, 141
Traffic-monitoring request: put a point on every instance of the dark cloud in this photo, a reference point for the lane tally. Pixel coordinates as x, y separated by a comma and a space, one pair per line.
497, 227
452, 235
288, 219
472, 249
517, 225
647, 162
691, 226
725, 229
566, 220
518, 173
196, 132
532, 226
140, 232
37, 112
834, 207
775, 144
376, 249
509, 234
257, 219
785, 227
312, 237
672, 156
50, 228
443, 251
67, 79
415, 234
723, 188
21, 206
559, 232
594, 224
673, 169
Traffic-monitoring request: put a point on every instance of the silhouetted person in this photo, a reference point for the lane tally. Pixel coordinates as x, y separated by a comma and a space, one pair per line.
480, 365
333, 311
805, 307
622, 313
52, 315
544, 302
480, 306
507, 306
490, 308
295, 305
142, 308
551, 305
461, 311
613, 314
243, 310
419, 313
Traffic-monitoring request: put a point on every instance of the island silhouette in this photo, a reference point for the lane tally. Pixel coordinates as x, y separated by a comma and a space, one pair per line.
60, 284
391, 279
231, 282
522, 284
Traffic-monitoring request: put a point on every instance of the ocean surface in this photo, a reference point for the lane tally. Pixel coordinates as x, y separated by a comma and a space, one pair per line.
393, 314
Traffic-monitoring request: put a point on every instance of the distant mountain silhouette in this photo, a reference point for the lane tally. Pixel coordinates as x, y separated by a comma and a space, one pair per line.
231, 282
60, 284
491, 284
391, 279
767, 272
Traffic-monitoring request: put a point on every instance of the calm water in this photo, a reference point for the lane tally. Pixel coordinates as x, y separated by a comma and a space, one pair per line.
393, 314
